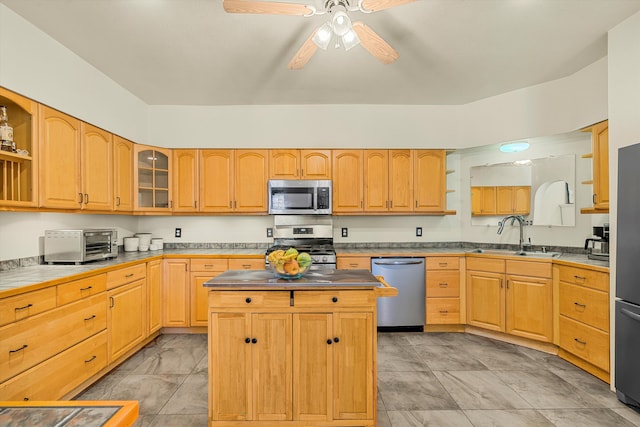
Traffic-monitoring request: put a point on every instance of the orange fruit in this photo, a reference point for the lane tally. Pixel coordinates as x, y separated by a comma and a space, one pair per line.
291, 267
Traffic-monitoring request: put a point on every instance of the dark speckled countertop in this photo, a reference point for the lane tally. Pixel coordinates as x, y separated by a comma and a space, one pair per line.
258, 279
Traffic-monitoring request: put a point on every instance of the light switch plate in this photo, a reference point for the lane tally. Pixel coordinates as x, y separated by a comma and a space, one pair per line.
345, 232
419, 231
178, 232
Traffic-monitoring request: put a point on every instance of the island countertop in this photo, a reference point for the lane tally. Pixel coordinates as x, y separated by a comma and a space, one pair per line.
318, 279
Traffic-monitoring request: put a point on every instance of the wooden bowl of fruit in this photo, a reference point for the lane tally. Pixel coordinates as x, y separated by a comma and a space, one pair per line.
289, 264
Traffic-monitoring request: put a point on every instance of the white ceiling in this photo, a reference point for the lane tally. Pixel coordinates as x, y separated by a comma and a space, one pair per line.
190, 52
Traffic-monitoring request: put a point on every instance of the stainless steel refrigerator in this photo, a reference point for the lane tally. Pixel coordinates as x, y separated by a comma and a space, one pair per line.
627, 316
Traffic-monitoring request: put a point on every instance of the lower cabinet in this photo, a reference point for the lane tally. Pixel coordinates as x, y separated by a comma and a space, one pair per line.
126, 319
154, 295
443, 290
201, 271
175, 293
278, 356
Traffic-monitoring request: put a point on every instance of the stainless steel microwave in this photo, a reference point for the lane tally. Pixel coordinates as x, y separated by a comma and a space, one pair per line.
299, 196
79, 246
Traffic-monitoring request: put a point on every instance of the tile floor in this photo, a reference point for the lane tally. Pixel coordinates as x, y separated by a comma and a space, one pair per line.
442, 379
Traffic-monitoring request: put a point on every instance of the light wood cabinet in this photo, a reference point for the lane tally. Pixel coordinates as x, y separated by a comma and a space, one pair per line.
299, 164
501, 200
442, 290
353, 263
246, 264
316, 367
600, 155
175, 293
154, 296
483, 201
18, 172
251, 176
96, 167
485, 293
584, 319
152, 178
430, 184
348, 188
185, 180
216, 180
25, 305
122, 174
126, 318
388, 180
201, 271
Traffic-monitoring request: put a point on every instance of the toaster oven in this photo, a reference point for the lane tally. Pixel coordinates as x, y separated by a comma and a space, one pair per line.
78, 246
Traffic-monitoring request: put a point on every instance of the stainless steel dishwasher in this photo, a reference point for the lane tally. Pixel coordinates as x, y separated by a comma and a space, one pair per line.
406, 311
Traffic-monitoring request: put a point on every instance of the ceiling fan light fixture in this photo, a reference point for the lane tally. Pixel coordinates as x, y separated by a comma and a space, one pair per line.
350, 39
322, 37
341, 23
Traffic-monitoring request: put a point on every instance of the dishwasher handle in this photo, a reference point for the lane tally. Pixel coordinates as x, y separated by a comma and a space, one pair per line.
630, 314
403, 262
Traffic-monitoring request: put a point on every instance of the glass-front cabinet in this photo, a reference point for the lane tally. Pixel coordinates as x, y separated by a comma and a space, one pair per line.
152, 178
17, 161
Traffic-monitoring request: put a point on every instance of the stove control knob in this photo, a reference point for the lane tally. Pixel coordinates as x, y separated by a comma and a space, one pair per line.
324, 259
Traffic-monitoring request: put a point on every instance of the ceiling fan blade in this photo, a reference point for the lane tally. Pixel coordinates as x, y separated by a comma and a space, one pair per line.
304, 54
265, 7
375, 44
375, 5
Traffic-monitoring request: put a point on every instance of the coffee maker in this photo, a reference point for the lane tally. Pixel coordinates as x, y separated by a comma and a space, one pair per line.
600, 252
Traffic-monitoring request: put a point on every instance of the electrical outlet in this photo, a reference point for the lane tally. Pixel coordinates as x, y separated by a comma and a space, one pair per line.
178, 232
269, 232
345, 232
419, 231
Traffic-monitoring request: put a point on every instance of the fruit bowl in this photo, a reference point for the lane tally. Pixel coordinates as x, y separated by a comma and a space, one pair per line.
289, 264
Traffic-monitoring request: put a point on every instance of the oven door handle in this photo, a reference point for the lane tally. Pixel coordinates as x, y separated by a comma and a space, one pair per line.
398, 262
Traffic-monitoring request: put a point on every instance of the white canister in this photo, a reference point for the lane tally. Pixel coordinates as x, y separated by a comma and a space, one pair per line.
145, 238
131, 244
157, 241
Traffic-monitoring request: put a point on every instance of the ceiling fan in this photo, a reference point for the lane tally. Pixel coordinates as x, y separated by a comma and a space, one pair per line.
339, 25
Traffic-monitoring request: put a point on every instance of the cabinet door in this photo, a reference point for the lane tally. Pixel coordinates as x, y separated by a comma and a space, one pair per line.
125, 318
347, 181
376, 180
175, 295
185, 180
284, 164
216, 180
489, 201
59, 160
529, 307
272, 365
353, 366
152, 178
400, 181
504, 200
429, 181
122, 174
476, 200
97, 168
521, 200
154, 295
600, 135
485, 300
230, 364
199, 298
312, 366
251, 176
315, 164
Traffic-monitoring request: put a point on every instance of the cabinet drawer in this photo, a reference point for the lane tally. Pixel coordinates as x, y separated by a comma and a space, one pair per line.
443, 311
246, 264
249, 299
30, 341
28, 304
332, 299
126, 275
529, 268
442, 263
354, 263
63, 372
585, 305
209, 265
492, 265
583, 277
78, 289
444, 283
585, 342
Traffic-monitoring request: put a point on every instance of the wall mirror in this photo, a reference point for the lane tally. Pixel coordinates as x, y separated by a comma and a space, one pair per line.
542, 190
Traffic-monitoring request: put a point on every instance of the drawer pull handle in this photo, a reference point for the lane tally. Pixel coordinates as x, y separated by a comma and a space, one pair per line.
329, 341
25, 399
580, 278
86, 289
443, 264
334, 299
444, 285
579, 341
208, 266
248, 300
577, 304
246, 266
112, 302
254, 340
247, 340
336, 339
444, 311
128, 275
353, 265
23, 307
89, 318
91, 359
18, 349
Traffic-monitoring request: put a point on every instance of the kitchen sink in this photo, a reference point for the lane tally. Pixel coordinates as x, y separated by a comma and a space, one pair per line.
532, 254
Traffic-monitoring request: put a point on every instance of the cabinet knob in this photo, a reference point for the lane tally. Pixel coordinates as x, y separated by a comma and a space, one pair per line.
336, 339
248, 300
334, 299
329, 341
254, 340
247, 340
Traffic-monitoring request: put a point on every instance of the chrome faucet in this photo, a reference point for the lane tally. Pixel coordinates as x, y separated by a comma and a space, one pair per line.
521, 222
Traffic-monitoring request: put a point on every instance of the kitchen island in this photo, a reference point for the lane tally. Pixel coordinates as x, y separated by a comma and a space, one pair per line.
293, 352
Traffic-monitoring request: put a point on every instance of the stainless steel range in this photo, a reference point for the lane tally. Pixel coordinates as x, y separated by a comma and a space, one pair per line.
307, 233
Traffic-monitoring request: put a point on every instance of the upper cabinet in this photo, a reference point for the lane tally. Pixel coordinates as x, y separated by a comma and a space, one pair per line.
347, 181
500, 200
18, 178
300, 164
122, 174
96, 167
251, 175
430, 180
185, 180
388, 180
152, 178
600, 155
